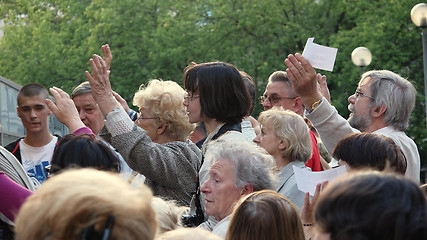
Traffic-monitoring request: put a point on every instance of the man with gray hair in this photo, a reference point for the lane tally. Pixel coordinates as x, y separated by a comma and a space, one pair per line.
382, 104
92, 117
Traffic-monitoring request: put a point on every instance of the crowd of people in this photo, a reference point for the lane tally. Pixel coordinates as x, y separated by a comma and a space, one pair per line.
193, 162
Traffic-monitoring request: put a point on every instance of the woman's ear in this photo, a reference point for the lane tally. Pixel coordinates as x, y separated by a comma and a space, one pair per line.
161, 129
282, 145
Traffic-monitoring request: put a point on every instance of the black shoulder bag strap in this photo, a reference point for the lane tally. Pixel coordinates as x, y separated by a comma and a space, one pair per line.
225, 128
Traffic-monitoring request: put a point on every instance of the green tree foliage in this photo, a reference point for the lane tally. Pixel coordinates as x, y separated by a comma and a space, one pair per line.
50, 41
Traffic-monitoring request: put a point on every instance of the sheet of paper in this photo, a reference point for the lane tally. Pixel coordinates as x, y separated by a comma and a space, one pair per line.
320, 57
307, 180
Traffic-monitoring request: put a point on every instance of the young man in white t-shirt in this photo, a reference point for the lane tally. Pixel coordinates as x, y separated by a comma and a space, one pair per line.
35, 150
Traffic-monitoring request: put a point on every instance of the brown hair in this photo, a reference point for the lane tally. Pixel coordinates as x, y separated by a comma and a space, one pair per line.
265, 215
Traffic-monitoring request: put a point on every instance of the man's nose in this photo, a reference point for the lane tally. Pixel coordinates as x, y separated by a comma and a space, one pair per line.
352, 98
267, 104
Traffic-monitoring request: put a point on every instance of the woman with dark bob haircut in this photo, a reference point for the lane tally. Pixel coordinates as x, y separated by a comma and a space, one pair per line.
265, 215
216, 95
371, 205
83, 151
367, 150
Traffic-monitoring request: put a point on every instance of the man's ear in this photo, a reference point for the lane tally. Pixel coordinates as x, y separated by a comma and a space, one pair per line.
18, 111
247, 189
161, 129
378, 110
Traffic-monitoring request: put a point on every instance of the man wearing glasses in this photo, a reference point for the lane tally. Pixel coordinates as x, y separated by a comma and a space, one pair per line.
382, 104
279, 93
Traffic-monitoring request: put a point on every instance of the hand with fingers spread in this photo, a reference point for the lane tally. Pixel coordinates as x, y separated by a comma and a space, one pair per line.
100, 85
107, 56
64, 109
303, 79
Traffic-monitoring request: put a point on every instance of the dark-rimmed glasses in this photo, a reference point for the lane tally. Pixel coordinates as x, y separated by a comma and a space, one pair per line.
273, 99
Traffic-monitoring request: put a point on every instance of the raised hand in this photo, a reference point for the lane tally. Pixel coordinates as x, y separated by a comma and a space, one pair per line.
100, 85
107, 56
323, 87
303, 79
64, 109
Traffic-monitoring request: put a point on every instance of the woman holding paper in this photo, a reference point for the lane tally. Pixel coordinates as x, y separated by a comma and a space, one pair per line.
285, 136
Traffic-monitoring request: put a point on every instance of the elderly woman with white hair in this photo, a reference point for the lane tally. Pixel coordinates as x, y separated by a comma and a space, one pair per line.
285, 136
238, 169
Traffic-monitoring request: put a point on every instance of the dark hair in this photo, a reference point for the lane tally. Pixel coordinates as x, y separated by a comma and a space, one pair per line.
250, 85
370, 150
31, 90
372, 205
83, 151
223, 94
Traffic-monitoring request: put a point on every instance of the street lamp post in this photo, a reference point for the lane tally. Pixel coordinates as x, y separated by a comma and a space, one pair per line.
361, 57
419, 18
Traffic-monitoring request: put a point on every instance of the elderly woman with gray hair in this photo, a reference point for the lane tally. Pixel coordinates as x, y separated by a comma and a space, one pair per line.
238, 169
285, 136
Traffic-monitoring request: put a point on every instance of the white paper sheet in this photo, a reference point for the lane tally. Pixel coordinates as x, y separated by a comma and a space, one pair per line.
307, 180
320, 57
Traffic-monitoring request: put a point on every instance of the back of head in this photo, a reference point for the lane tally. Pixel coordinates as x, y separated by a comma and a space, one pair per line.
223, 94
372, 205
31, 90
83, 151
291, 129
168, 214
164, 99
188, 233
252, 164
396, 93
367, 150
250, 85
77, 204
82, 88
265, 215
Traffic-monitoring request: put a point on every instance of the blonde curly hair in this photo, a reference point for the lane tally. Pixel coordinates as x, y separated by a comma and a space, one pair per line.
164, 99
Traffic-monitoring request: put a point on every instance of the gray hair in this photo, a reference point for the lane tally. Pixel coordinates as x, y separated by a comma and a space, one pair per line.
396, 93
252, 164
282, 76
82, 88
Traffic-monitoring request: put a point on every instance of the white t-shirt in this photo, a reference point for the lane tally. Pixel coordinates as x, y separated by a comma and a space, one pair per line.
35, 159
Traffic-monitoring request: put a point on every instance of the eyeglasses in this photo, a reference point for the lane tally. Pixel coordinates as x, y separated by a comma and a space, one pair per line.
358, 94
273, 99
189, 98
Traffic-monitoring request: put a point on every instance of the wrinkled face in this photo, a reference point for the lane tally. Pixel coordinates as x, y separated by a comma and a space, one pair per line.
34, 113
147, 122
275, 95
89, 112
268, 140
194, 109
360, 106
220, 190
